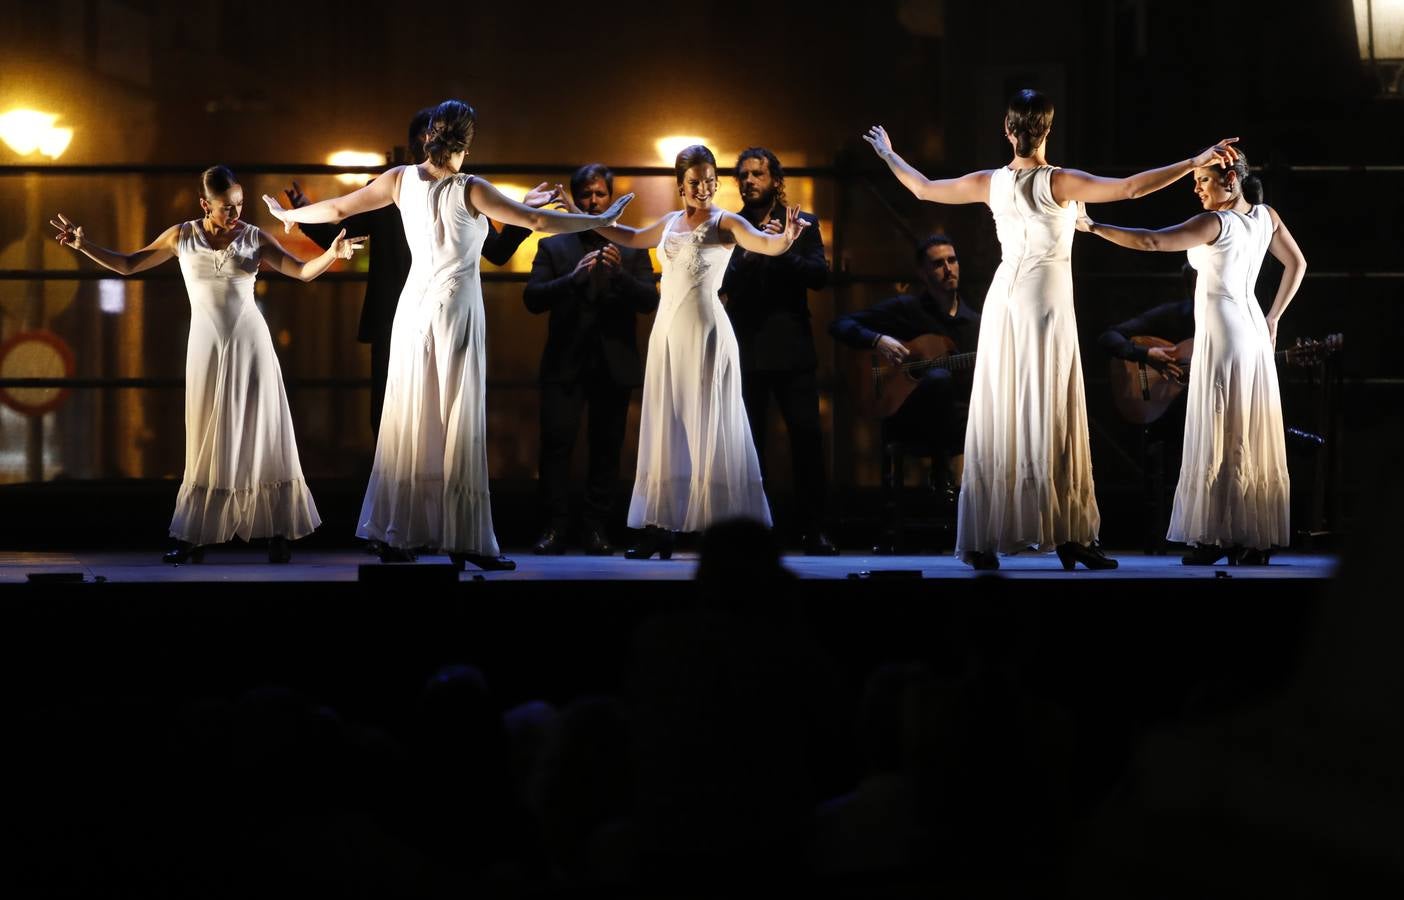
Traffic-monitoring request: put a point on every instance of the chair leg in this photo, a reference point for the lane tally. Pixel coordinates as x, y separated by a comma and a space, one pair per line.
898, 484
882, 543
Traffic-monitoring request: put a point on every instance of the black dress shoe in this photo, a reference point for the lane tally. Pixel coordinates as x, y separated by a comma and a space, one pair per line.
653, 540
278, 549
486, 563
596, 544
1251, 556
1090, 555
981, 560
183, 552
1204, 555
551, 543
818, 544
390, 554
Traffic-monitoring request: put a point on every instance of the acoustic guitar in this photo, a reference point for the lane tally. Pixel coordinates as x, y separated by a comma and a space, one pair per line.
893, 383
1141, 393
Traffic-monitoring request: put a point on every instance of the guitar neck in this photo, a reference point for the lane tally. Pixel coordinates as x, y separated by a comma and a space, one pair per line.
954, 361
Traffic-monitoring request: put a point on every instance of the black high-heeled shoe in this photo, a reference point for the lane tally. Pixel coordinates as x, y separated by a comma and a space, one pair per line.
1251, 556
279, 550
184, 552
1203, 555
654, 540
390, 554
1090, 555
486, 563
981, 560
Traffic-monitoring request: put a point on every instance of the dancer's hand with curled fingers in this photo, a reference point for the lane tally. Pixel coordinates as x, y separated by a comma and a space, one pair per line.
1084, 222
70, 233
877, 138
1221, 154
344, 247
567, 202
794, 225
544, 195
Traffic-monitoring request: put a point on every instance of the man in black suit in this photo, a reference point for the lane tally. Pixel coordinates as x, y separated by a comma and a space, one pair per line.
594, 291
768, 302
389, 262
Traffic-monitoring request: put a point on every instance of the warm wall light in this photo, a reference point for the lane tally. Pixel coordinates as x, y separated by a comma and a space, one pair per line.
1379, 31
355, 158
669, 147
26, 131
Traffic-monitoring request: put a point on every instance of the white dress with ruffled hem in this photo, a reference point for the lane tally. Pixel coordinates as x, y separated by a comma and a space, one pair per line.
242, 473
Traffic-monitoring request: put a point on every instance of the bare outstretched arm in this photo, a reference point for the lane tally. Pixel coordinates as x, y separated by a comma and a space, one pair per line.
637, 238
281, 260
70, 234
1202, 229
1074, 184
764, 242
496, 205
380, 192
1284, 249
971, 188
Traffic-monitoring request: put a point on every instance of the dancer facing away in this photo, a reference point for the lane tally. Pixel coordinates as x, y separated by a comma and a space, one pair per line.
1028, 470
429, 482
1232, 498
697, 461
242, 474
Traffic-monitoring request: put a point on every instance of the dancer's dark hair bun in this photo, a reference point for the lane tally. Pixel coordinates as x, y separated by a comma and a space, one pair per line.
1029, 118
217, 179
450, 131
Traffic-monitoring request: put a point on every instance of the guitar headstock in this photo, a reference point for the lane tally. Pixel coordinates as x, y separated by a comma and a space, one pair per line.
1310, 351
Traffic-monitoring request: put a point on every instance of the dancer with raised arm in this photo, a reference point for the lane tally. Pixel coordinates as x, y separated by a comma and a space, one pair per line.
1233, 495
697, 461
429, 482
1028, 470
242, 473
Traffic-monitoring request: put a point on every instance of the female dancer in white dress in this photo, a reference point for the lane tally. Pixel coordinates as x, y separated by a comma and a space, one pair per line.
697, 459
1028, 471
429, 482
1232, 498
242, 474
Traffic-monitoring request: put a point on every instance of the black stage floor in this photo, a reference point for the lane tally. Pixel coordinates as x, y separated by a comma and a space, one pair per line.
236, 564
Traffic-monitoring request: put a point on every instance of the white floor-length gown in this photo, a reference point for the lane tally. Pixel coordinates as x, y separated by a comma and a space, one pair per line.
242, 473
1233, 488
1028, 468
697, 460
429, 482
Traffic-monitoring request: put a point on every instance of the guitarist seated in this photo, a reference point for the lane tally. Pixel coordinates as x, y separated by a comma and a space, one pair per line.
1172, 321
934, 412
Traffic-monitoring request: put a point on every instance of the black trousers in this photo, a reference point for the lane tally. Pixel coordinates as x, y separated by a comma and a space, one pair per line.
380, 373
561, 408
930, 415
797, 394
